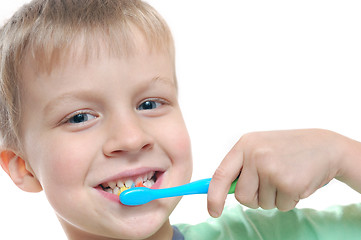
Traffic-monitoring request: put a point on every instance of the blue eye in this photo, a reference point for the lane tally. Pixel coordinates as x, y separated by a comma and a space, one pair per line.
149, 105
81, 118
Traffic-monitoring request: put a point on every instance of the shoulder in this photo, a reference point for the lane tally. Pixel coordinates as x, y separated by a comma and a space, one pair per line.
233, 222
332, 223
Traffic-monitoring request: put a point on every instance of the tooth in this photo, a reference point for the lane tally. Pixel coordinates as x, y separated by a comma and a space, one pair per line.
139, 180
123, 189
108, 190
116, 190
120, 183
151, 182
128, 183
147, 184
150, 175
112, 184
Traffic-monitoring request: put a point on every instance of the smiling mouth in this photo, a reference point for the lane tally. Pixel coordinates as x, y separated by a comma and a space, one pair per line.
117, 187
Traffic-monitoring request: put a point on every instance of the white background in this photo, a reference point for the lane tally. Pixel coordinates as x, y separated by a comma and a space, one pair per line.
242, 66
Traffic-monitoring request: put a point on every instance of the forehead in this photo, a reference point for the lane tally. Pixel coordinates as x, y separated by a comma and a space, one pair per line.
85, 55
83, 47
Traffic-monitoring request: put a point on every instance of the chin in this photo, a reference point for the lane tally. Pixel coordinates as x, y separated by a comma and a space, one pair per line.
144, 221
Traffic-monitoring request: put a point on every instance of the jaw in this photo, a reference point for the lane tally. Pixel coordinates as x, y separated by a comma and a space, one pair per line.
114, 220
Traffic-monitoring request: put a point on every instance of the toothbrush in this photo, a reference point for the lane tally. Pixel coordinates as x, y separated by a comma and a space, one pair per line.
142, 195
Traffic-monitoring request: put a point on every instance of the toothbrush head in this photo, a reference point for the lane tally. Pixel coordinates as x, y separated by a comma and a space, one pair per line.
136, 196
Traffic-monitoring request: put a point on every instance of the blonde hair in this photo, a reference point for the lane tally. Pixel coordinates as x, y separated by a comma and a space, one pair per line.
46, 30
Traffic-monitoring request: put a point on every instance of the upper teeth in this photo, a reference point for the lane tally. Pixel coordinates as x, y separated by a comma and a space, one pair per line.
114, 186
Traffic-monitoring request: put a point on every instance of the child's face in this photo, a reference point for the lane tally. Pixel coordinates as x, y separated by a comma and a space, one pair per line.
110, 119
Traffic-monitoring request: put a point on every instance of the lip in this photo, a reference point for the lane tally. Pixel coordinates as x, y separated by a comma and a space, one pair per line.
132, 174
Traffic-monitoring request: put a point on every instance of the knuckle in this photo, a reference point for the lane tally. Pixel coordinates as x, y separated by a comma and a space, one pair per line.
219, 174
212, 200
241, 198
266, 162
292, 185
286, 183
249, 139
248, 200
305, 194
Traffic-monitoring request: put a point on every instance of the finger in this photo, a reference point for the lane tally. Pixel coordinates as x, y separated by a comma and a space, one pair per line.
266, 194
286, 202
222, 179
247, 187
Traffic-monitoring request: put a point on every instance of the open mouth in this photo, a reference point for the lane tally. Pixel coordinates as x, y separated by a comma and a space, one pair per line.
117, 187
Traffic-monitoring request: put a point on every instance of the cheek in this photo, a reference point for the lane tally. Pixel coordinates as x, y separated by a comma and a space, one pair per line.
179, 141
178, 146
60, 164
63, 168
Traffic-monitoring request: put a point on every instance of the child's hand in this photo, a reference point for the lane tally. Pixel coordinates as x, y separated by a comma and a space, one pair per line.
276, 169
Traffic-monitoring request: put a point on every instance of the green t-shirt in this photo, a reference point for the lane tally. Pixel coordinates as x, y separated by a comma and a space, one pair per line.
335, 223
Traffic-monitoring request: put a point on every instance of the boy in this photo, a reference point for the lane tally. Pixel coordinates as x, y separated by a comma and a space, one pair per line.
89, 102
101, 97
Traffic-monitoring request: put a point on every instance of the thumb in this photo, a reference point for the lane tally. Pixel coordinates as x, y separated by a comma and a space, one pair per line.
222, 179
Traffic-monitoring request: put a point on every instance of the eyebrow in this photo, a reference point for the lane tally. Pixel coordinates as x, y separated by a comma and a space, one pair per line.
159, 80
163, 80
83, 95
88, 95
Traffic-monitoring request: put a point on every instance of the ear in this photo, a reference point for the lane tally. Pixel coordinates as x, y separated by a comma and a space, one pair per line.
18, 171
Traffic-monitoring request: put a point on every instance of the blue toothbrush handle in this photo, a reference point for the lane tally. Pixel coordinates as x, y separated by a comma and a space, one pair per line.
196, 187
142, 195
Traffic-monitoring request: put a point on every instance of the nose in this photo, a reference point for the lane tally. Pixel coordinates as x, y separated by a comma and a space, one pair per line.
127, 136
